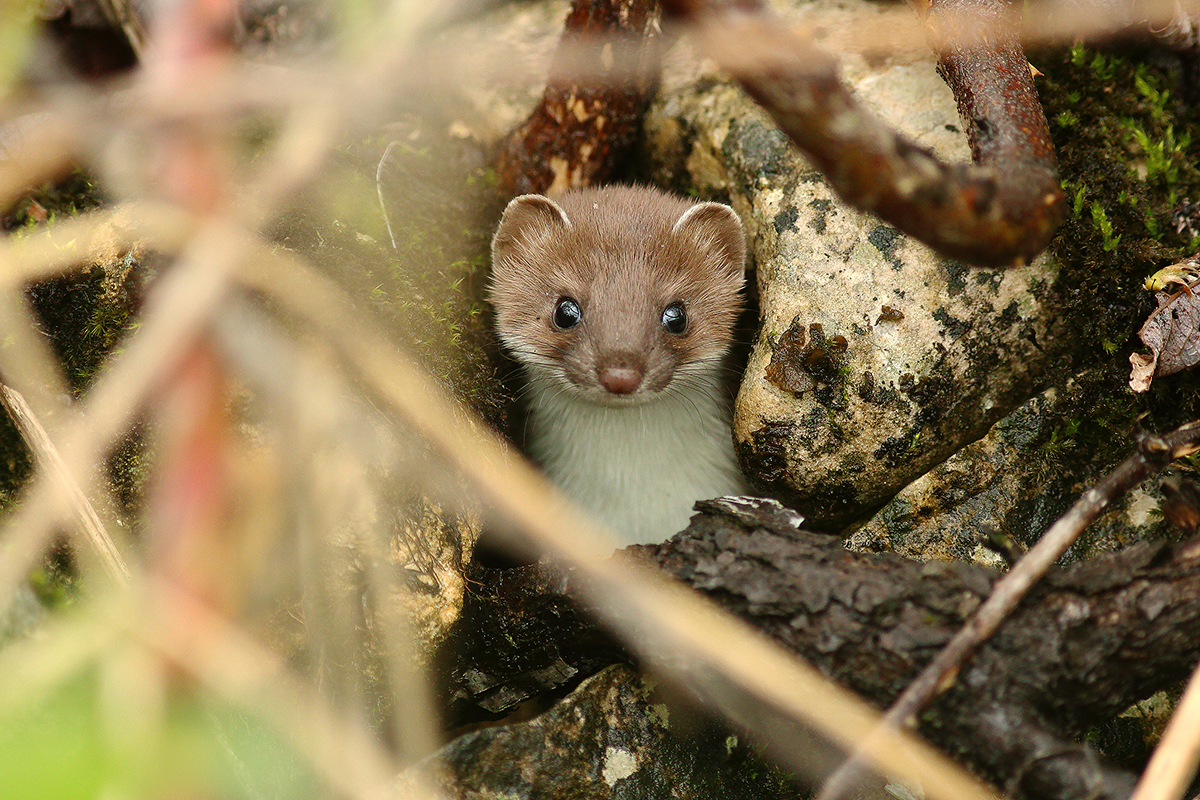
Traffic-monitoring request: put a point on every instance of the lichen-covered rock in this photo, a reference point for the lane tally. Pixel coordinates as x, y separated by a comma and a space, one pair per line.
1016, 481
876, 358
613, 737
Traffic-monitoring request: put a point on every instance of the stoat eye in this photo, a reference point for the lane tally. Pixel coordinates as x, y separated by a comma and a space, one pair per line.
674, 319
567, 313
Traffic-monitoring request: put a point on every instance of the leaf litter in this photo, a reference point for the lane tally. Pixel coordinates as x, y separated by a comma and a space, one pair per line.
1172, 332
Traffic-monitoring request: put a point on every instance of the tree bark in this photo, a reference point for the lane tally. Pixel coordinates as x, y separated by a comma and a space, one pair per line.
1092, 639
590, 114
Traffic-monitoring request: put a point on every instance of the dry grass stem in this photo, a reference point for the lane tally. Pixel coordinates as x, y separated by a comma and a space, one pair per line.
48, 459
681, 634
1174, 762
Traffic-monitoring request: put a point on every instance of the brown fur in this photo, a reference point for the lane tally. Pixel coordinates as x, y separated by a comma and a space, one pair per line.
621, 260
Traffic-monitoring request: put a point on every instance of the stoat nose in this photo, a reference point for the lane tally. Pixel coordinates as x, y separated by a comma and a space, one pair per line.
620, 378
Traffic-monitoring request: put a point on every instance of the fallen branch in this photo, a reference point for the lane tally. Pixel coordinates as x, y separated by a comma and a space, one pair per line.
1000, 211
1153, 454
1093, 639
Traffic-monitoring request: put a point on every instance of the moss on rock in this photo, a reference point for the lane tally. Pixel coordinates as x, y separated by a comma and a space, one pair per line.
1125, 149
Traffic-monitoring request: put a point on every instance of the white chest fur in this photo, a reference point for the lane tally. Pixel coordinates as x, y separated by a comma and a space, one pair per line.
637, 469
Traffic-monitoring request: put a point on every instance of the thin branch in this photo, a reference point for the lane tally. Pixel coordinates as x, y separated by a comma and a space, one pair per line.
999, 212
1153, 454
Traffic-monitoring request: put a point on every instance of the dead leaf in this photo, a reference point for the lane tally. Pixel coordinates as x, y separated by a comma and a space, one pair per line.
1172, 333
1142, 372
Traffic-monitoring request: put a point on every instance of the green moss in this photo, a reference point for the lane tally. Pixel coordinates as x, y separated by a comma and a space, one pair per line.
83, 320
1125, 165
70, 196
422, 268
56, 581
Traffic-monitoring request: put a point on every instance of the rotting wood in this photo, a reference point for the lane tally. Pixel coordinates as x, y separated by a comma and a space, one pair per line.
590, 114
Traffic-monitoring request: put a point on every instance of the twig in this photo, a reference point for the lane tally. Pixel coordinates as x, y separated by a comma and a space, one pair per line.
1154, 453
999, 212
47, 456
1174, 761
734, 668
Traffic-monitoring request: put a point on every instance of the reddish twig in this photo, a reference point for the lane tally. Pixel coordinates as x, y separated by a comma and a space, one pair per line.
589, 115
1000, 211
1154, 453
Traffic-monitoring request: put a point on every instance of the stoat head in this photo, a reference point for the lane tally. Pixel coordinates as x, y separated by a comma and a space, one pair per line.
611, 294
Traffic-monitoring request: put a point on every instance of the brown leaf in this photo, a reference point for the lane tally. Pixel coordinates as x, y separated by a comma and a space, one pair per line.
1173, 335
1142, 372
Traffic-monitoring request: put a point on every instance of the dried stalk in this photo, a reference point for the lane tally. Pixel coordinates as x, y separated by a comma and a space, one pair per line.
46, 455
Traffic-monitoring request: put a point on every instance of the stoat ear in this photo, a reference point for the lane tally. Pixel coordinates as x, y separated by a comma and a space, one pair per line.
526, 219
716, 227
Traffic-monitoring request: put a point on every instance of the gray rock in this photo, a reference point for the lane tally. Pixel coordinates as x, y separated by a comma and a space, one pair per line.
1017, 480
613, 737
876, 358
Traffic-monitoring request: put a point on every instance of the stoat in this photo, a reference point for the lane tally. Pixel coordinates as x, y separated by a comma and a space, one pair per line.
620, 305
